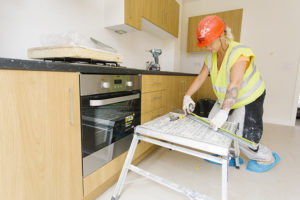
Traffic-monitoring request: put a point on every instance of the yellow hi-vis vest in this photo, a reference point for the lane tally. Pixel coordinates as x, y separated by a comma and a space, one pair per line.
252, 86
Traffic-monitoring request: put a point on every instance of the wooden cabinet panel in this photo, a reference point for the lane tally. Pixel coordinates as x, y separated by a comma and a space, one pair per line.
152, 11
176, 89
152, 114
153, 98
133, 13
233, 19
163, 13
40, 141
172, 18
152, 101
178, 85
184, 84
172, 92
152, 83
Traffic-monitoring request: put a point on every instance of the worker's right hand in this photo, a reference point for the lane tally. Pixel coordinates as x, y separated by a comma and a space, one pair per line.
188, 105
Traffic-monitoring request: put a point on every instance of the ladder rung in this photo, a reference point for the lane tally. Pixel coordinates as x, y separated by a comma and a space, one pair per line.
190, 193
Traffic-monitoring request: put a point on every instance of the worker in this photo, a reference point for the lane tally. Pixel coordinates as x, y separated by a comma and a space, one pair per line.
238, 86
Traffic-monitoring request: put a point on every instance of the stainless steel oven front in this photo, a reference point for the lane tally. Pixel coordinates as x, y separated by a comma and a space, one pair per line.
110, 109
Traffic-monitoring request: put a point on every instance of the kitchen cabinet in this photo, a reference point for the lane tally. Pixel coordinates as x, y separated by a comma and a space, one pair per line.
163, 13
133, 13
172, 16
177, 87
161, 94
40, 137
233, 19
152, 11
40, 141
123, 15
153, 97
126, 15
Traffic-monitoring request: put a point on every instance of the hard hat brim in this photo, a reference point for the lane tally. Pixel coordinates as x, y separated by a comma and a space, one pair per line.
203, 44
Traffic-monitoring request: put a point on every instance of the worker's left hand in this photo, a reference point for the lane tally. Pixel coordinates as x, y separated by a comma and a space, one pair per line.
219, 119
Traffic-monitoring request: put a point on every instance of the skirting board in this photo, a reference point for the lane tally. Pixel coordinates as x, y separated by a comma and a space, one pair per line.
279, 122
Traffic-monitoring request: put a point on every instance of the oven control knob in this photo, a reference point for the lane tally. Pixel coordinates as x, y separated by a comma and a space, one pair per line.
105, 85
129, 83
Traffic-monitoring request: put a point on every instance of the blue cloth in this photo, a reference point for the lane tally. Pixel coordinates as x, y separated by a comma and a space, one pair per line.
255, 167
231, 161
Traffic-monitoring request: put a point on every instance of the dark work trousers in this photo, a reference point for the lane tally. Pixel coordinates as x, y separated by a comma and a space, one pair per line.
250, 122
253, 122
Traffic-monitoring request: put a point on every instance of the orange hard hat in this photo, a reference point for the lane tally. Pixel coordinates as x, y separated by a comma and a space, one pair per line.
209, 29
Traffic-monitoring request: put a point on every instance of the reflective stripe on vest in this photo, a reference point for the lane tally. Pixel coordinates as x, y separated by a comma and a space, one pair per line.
208, 59
244, 83
229, 58
248, 93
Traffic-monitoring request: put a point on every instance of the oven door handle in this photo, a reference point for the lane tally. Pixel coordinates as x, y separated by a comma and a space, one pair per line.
113, 100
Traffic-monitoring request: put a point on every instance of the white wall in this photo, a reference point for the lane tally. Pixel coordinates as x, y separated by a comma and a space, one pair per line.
271, 28
24, 24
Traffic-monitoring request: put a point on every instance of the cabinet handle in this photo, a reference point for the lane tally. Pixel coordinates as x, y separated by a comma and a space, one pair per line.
156, 83
167, 18
71, 106
130, 9
154, 98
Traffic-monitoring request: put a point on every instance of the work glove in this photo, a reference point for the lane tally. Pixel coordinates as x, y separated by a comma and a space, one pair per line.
219, 119
188, 105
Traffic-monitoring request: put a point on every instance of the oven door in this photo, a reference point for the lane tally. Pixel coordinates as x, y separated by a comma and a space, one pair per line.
108, 122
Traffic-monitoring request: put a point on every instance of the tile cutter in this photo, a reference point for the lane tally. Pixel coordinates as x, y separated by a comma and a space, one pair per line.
222, 131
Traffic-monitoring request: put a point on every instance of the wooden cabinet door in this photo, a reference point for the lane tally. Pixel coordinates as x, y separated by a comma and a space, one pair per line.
163, 13
172, 17
233, 19
184, 84
152, 11
40, 139
176, 89
133, 13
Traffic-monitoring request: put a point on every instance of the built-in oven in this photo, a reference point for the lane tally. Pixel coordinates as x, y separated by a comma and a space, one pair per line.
110, 109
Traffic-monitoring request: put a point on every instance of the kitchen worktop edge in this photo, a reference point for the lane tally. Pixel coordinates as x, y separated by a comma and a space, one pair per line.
40, 65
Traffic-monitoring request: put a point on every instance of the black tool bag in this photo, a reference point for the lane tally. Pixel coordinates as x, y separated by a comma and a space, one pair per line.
203, 107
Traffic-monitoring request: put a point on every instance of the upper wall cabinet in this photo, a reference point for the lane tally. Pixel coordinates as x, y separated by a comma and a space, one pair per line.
133, 13
233, 19
162, 13
152, 11
172, 17
125, 15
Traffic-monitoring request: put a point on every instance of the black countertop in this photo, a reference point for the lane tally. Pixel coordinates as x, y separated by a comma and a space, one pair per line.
39, 65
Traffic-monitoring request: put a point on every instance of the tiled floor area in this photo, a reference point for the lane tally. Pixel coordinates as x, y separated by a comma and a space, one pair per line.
280, 183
